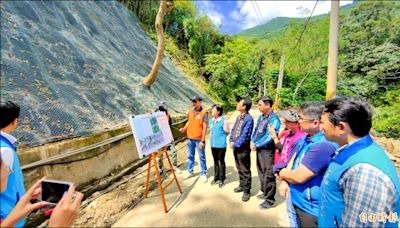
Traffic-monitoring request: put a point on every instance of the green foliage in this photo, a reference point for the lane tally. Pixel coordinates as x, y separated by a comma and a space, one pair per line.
369, 55
230, 70
387, 121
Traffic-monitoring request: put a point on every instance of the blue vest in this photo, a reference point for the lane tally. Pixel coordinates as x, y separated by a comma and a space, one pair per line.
218, 135
306, 196
15, 185
363, 151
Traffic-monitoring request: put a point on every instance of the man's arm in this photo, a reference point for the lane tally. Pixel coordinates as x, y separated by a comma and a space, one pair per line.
246, 133
368, 190
298, 176
183, 129
233, 130
267, 138
255, 130
315, 161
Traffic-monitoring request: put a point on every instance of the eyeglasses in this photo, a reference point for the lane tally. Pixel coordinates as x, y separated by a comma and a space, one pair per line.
302, 119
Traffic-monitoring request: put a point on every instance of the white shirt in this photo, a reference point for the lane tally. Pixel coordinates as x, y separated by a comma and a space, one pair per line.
7, 154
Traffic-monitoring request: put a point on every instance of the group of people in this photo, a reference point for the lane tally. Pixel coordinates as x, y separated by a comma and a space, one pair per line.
331, 171
15, 203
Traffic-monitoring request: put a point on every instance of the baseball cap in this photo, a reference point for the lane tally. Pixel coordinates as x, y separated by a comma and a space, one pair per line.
160, 103
289, 115
195, 98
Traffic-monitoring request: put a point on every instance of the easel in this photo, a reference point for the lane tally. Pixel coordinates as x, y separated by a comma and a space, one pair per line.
152, 157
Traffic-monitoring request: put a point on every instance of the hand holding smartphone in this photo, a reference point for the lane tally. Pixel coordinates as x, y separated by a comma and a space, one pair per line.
54, 190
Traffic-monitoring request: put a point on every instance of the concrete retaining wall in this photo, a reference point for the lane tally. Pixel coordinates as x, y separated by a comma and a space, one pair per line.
88, 166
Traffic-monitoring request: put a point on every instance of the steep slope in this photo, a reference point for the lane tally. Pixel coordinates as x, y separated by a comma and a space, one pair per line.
76, 68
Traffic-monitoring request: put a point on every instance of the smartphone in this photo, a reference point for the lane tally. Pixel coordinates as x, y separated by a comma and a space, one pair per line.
53, 190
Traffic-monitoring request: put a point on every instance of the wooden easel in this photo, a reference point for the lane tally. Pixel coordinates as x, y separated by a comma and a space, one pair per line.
152, 158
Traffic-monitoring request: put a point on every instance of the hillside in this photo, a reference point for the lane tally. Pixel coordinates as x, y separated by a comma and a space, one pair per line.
277, 26
274, 26
77, 67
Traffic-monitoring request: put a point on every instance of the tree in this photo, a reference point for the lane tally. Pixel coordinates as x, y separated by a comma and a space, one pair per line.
165, 7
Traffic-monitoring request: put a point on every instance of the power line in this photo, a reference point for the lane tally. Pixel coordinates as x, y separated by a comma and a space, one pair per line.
277, 8
259, 11
302, 32
256, 12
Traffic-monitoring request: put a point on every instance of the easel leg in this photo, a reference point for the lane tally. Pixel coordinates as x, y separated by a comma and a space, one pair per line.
172, 170
159, 182
148, 178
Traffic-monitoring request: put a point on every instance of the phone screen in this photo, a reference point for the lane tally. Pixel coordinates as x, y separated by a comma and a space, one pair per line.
53, 192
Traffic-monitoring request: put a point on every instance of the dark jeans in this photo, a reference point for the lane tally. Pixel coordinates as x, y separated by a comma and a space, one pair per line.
219, 163
265, 162
242, 160
306, 220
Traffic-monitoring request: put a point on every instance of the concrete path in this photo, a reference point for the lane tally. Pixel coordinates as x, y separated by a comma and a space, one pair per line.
202, 204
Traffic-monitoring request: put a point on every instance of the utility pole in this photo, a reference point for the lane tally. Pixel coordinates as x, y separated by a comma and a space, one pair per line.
333, 51
280, 79
265, 85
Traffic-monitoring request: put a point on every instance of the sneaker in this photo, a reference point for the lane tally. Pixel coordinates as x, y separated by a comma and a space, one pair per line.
214, 182
177, 170
204, 178
246, 196
265, 205
221, 183
238, 189
261, 196
189, 175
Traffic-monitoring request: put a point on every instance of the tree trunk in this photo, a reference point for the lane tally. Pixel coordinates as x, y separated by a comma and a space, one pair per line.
164, 9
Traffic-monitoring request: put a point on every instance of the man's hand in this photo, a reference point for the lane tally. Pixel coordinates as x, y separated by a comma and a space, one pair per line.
271, 130
284, 189
67, 209
252, 147
183, 130
282, 173
201, 145
232, 145
277, 177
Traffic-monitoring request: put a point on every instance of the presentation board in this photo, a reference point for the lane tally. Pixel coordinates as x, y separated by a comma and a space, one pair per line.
151, 132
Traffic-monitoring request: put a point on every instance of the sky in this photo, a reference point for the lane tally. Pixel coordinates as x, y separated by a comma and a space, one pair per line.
234, 16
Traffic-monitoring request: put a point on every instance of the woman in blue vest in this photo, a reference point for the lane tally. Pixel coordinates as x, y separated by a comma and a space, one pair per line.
361, 187
219, 128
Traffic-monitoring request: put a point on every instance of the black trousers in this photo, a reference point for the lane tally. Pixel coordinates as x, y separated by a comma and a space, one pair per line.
265, 162
219, 163
242, 160
306, 220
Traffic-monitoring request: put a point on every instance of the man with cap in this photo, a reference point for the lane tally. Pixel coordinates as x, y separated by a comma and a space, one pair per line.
195, 130
162, 108
284, 146
287, 138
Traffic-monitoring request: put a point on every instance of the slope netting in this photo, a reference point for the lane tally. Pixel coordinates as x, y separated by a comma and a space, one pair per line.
77, 67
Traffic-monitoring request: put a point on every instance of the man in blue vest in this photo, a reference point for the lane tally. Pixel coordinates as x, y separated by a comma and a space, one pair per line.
15, 185
361, 187
262, 143
303, 175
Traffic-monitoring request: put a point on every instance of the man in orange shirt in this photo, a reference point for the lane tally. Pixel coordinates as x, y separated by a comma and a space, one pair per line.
195, 130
